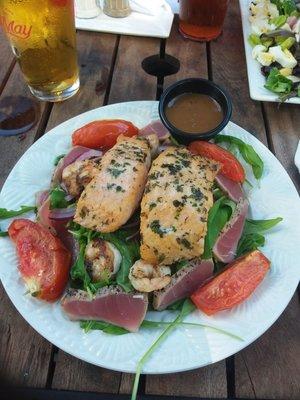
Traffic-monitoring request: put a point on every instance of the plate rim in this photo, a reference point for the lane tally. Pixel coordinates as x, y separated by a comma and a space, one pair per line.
53, 340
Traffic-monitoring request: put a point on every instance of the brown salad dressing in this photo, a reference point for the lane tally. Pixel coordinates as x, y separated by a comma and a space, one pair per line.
194, 113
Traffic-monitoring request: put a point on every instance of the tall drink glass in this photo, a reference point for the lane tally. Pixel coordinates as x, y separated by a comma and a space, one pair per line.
43, 38
202, 20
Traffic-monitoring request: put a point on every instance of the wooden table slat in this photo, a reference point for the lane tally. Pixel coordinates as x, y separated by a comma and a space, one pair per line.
130, 82
284, 133
111, 72
23, 352
228, 65
7, 59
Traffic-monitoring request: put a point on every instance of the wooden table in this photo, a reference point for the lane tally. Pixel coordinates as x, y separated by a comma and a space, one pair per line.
111, 72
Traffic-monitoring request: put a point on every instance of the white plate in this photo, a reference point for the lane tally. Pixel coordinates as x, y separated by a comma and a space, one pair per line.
186, 348
255, 77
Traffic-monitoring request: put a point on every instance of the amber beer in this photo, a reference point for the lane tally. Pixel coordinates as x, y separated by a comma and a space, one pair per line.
202, 19
42, 36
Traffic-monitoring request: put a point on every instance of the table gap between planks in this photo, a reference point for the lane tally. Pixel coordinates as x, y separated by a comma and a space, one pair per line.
110, 67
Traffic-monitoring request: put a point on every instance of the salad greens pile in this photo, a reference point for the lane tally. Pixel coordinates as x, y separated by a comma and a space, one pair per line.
275, 40
129, 250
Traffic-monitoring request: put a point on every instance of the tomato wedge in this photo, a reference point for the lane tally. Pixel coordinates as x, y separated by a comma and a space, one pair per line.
103, 134
230, 166
44, 261
234, 285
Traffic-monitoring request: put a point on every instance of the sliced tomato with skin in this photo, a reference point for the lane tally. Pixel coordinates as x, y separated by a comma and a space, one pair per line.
103, 134
230, 166
44, 262
234, 285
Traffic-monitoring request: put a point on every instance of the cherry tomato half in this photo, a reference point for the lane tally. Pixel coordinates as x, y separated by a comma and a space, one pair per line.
103, 134
44, 261
233, 285
231, 167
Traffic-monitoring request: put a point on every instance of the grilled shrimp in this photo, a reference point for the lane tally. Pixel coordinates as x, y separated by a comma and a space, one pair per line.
145, 277
78, 174
103, 259
153, 143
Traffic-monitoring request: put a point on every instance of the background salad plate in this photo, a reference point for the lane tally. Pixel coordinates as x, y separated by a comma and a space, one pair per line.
273, 196
255, 78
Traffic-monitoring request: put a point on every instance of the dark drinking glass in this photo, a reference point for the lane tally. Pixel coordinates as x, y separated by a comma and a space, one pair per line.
202, 20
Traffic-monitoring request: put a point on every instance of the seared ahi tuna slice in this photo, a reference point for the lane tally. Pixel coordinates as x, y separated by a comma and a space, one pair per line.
183, 283
110, 304
233, 189
226, 244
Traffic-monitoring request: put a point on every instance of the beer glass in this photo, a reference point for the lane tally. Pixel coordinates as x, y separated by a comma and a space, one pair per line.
202, 20
43, 38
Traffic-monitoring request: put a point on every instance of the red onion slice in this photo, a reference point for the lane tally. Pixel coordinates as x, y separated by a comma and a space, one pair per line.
68, 159
156, 127
41, 197
62, 213
90, 154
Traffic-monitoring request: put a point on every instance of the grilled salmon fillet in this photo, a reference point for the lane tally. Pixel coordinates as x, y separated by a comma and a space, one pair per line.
110, 199
175, 205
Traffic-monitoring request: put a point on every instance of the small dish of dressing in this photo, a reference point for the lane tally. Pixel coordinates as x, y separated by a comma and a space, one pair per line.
194, 109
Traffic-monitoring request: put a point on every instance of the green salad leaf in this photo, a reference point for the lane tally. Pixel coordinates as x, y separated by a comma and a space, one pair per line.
130, 253
58, 198
218, 215
285, 7
5, 213
160, 324
3, 234
57, 159
186, 309
247, 152
252, 236
260, 225
105, 327
278, 83
78, 271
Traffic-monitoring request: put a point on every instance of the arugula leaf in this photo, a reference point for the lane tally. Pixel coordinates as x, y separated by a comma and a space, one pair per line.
160, 324
187, 308
247, 151
249, 243
5, 213
176, 306
3, 234
260, 226
218, 215
57, 159
78, 271
252, 237
278, 83
129, 252
105, 327
58, 198
181, 264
